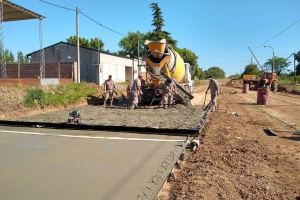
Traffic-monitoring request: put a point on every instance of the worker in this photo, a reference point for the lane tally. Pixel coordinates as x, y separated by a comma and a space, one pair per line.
109, 88
214, 90
129, 95
136, 90
167, 88
174, 91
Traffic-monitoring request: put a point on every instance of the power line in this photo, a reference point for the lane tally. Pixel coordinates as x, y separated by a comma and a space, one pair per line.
278, 34
85, 16
57, 5
101, 24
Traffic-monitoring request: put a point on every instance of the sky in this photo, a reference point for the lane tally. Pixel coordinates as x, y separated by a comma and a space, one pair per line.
218, 31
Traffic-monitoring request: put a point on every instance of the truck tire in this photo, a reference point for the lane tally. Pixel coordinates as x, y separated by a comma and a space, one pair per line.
274, 87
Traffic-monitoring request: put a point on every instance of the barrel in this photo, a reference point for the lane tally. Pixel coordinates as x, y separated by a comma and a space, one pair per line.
262, 96
245, 88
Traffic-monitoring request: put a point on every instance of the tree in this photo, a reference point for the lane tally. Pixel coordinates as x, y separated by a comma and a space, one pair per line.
281, 65
297, 57
158, 21
251, 69
20, 57
96, 43
216, 72
93, 43
129, 44
236, 76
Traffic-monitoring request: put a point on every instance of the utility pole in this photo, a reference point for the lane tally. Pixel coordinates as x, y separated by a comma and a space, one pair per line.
78, 47
294, 66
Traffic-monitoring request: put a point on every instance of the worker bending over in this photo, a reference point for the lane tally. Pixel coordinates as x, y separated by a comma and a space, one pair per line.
109, 88
129, 95
168, 88
214, 90
136, 91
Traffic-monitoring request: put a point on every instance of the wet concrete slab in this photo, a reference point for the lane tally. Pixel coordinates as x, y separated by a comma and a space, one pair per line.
71, 164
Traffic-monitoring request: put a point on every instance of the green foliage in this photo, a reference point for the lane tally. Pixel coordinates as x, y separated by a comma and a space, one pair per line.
199, 82
158, 21
34, 97
286, 79
281, 65
297, 56
216, 72
236, 76
93, 43
9, 57
129, 44
23, 59
251, 69
61, 95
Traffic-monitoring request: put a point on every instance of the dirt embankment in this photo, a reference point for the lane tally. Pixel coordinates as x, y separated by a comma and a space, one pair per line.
238, 160
12, 98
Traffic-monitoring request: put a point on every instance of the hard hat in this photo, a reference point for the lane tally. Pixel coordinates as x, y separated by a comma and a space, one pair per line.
174, 80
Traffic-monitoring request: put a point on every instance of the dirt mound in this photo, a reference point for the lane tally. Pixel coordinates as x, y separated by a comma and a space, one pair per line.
238, 160
180, 117
11, 100
292, 88
235, 83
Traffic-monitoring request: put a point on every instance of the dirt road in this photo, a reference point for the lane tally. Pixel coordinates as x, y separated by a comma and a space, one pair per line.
238, 160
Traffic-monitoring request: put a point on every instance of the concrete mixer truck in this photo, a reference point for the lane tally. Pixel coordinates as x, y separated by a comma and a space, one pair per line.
163, 62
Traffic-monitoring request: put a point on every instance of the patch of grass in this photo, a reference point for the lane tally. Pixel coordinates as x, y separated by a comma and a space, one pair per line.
200, 82
124, 83
287, 80
61, 95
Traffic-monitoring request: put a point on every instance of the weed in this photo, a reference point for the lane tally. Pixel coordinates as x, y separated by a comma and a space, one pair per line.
61, 95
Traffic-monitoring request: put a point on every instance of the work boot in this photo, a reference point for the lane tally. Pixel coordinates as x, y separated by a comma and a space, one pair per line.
111, 103
165, 107
104, 105
170, 106
213, 109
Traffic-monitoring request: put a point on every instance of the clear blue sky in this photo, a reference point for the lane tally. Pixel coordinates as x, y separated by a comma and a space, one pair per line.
218, 31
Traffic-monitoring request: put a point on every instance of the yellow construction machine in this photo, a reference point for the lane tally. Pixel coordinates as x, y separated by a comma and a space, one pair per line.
163, 62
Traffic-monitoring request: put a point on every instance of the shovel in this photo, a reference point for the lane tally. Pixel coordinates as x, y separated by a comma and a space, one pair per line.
203, 107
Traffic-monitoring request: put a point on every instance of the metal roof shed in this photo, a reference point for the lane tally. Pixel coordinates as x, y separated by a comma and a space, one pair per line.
13, 12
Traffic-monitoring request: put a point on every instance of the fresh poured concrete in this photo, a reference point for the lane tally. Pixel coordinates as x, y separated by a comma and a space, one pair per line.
70, 164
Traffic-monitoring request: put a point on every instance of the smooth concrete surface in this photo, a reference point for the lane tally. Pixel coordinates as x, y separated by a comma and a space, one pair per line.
65, 164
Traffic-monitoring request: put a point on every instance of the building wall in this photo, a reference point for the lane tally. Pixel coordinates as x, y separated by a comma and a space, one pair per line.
115, 66
90, 68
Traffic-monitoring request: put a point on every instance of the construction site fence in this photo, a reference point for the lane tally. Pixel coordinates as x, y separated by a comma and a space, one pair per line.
29, 74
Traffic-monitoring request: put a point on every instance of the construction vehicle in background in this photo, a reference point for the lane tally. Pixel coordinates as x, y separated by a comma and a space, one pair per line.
163, 62
267, 80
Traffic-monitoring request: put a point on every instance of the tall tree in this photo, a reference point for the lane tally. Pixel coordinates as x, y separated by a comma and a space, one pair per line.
251, 69
129, 44
93, 43
281, 65
158, 21
297, 57
96, 43
216, 72
20, 57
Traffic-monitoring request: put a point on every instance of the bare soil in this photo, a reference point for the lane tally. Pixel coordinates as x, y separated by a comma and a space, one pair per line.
238, 159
